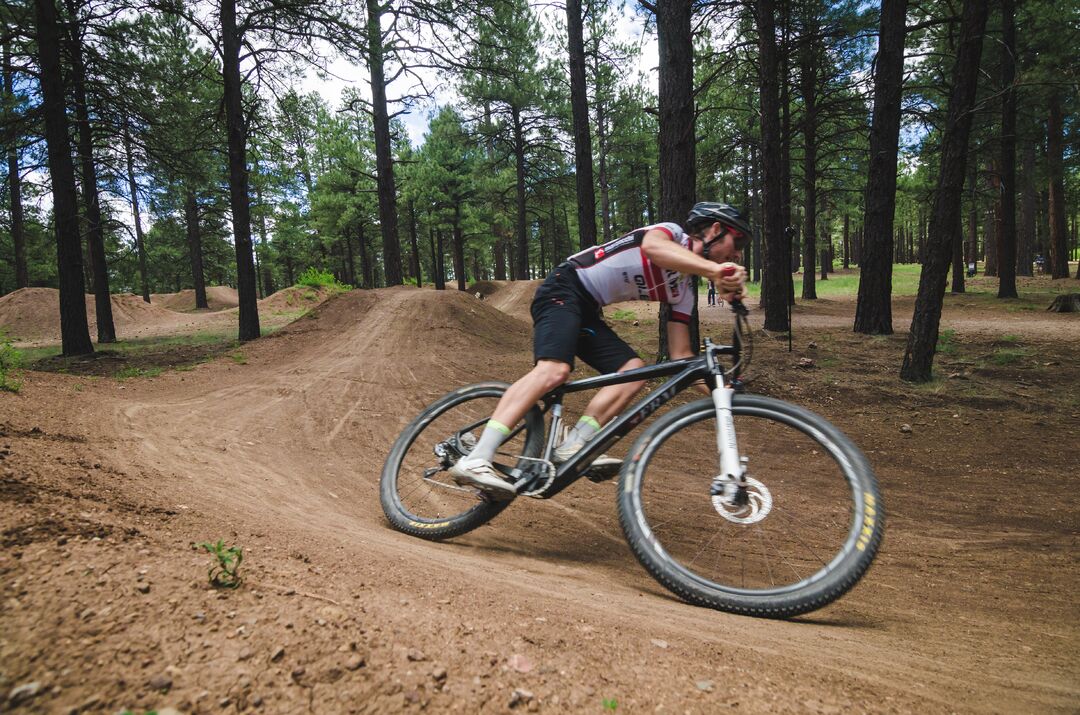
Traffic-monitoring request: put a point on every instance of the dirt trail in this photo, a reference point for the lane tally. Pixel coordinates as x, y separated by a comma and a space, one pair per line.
287, 450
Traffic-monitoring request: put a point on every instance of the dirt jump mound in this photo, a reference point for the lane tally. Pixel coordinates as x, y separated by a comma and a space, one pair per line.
33, 314
511, 297
295, 298
217, 298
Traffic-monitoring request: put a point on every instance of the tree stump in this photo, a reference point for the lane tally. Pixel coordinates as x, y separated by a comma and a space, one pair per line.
1067, 303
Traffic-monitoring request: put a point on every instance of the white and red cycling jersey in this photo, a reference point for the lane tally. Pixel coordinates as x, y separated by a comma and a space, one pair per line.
619, 270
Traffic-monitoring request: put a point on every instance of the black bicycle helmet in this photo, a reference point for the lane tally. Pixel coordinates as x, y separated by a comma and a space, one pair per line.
706, 213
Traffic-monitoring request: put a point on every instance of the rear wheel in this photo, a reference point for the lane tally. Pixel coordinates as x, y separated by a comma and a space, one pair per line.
805, 531
417, 494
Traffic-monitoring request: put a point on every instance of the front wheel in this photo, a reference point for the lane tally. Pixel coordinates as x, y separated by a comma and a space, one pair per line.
805, 532
417, 494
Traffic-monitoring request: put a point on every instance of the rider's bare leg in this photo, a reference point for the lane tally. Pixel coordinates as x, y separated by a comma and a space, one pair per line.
545, 376
610, 401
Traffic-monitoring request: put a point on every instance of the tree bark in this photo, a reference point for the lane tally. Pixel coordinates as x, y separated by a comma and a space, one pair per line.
1025, 249
676, 118
413, 244
195, 253
384, 163
774, 290
1007, 235
240, 201
74, 330
133, 188
95, 235
808, 82
18, 232
459, 249
944, 219
1059, 256
521, 267
873, 309
579, 105
847, 245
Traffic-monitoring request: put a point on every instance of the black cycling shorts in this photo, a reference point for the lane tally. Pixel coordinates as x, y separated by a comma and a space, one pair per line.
567, 321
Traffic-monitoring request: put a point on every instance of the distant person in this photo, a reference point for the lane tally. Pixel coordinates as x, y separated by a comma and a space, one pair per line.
971, 270
712, 293
652, 263
1040, 263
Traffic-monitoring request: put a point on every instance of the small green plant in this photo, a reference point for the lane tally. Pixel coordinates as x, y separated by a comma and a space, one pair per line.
611, 704
622, 314
10, 362
1010, 338
224, 573
1008, 356
238, 357
945, 344
314, 278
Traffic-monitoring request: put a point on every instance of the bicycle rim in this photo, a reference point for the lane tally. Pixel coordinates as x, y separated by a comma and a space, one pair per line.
815, 529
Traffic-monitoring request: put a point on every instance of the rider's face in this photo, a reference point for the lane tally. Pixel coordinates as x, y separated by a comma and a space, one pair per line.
723, 249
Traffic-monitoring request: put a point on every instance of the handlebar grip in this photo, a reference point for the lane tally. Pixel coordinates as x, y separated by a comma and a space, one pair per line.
727, 271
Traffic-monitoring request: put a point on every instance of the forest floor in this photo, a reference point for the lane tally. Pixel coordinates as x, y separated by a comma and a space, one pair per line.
107, 485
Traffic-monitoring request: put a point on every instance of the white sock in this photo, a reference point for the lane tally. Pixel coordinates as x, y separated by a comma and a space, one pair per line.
490, 439
583, 431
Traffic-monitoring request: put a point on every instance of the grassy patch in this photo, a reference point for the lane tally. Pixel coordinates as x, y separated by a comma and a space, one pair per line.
946, 344
622, 314
238, 357
1008, 356
314, 278
134, 371
10, 362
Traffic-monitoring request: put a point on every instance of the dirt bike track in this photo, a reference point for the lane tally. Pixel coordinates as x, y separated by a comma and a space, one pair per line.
970, 607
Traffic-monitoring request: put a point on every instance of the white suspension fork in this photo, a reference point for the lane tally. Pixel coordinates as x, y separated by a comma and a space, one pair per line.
731, 467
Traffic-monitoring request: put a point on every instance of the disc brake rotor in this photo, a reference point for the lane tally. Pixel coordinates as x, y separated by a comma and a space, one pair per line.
757, 506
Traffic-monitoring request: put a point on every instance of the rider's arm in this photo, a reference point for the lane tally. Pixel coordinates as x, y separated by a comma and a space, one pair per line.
666, 253
678, 338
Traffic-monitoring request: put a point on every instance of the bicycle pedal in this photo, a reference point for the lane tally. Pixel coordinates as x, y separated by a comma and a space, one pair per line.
602, 473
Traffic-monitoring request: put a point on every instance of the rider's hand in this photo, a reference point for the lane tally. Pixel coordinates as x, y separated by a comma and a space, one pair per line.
730, 281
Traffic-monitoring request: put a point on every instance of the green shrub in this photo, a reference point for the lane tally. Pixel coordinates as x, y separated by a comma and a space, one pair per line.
10, 362
314, 278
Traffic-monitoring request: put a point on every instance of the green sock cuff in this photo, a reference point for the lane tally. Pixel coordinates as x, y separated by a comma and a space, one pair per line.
499, 426
591, 421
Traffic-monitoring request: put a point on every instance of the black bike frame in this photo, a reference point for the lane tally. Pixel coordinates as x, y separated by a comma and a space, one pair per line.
686, 372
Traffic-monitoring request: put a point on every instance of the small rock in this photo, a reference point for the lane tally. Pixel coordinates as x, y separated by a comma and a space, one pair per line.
414, 655
143, 588
520, 663
704, 686
905, 428
278, 654
244, 655
224, 702
520, 696
257, 701
412, 697
812, 345
298, 672
162, 681
659, 643
439, 673
805, 363
24, 692
355, 662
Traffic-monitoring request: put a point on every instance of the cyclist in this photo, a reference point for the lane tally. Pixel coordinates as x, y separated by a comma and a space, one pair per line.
652, 263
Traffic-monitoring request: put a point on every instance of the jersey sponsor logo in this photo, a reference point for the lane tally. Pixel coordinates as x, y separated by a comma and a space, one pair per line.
598, 253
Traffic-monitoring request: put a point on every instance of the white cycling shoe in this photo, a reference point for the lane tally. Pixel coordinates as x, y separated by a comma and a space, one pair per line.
480, 474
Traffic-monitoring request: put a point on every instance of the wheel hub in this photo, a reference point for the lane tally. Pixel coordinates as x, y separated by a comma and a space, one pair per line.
745, 505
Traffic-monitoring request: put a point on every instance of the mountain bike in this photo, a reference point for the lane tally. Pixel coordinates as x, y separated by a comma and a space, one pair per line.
742, 503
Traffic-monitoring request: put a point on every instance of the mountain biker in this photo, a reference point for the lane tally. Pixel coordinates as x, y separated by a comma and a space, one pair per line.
652, 263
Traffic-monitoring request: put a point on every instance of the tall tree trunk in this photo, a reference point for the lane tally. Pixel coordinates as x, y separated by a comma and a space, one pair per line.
847, 239
436, 260
676, 104
808, 82
579, 105
95, 234
133, 189
18, 233
958, 263
919, 355
238, 173
195, 252
873, 310
604, 179
459, 249
1059, 256
1007, 236
74, 330
1025, 244
384, 163
650, 203
440, 255
521, 267
262, 262
413, 244
791, 244
774, 290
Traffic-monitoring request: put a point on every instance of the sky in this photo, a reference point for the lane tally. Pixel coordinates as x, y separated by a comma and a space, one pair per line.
630, 28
